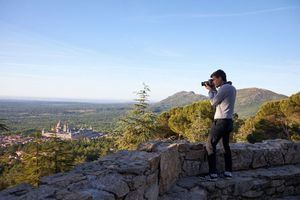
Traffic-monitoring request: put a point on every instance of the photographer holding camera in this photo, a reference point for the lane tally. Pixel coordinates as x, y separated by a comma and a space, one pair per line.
223, 100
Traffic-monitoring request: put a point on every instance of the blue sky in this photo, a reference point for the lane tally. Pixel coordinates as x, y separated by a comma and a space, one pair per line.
107, 49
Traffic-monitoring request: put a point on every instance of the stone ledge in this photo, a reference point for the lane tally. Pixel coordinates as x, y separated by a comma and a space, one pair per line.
152, 170
263, 183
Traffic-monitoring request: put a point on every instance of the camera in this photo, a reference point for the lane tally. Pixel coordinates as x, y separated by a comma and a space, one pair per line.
209, 83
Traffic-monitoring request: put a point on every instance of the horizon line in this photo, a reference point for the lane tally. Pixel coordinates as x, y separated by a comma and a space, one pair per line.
103, 101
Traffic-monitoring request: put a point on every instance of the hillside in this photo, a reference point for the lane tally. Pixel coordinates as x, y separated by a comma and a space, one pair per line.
250, 99
178, 99
247, 103
274, 119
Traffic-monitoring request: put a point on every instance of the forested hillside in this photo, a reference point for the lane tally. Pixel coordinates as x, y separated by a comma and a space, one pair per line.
275, 119
178, 99
248, 100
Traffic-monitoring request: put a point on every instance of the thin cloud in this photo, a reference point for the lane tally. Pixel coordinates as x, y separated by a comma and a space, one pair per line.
40, 46
156, 18
44, 41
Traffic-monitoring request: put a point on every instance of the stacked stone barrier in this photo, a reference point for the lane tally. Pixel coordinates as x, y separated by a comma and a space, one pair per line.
152, 170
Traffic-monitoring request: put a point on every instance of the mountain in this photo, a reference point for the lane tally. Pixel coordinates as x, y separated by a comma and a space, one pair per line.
178, 99
247, 102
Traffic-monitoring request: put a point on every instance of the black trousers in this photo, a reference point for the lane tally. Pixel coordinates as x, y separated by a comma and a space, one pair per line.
221, 129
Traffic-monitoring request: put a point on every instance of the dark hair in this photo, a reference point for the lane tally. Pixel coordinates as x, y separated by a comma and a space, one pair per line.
219, 73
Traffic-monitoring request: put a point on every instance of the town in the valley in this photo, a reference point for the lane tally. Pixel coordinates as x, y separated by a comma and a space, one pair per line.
63, 131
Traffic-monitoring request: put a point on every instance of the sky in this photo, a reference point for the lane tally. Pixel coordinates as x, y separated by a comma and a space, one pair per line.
107, 49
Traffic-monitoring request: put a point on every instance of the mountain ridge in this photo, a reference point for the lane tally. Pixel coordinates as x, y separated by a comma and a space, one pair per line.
248, 100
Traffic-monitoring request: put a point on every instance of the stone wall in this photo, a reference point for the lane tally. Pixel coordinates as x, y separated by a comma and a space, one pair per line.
151, 170
279, 182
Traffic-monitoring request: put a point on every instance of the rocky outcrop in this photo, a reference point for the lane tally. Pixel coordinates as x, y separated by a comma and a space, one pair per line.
157, 168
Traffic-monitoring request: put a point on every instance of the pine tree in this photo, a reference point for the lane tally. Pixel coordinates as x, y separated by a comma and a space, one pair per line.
275, 119
193, 121
139, 124
59, 155
33, 163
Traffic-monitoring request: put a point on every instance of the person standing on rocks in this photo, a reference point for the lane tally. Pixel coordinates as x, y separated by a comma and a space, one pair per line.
223, 100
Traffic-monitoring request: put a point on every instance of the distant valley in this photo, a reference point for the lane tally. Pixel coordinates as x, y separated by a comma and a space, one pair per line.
28, 116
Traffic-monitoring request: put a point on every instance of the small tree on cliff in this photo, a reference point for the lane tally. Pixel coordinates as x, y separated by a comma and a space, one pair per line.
139, 124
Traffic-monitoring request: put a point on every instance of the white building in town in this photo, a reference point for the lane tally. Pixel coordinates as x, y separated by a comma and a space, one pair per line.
65, 131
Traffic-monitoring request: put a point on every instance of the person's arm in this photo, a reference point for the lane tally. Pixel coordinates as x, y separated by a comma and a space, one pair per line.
216, 97
212, 93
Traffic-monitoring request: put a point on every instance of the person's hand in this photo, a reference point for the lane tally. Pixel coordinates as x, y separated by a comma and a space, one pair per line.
208, 87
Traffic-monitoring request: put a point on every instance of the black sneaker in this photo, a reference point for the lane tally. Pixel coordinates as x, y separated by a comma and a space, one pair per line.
227, 175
